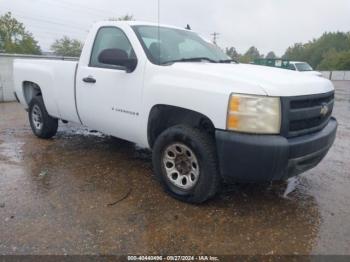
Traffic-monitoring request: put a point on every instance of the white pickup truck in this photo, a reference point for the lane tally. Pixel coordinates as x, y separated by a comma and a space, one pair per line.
304, 68
207, 119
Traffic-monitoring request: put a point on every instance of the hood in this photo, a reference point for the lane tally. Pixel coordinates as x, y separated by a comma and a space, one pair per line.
273, 81
314, 73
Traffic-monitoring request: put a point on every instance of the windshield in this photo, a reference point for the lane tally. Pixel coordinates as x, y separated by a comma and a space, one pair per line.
303, 67
167, 45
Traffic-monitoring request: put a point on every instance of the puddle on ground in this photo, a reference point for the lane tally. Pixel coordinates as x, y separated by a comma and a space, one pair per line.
92, 194
11, 151
85, 193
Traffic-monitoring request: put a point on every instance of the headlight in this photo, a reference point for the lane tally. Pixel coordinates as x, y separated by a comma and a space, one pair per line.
254, 114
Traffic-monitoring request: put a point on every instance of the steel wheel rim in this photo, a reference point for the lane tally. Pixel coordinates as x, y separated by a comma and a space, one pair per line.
37, 117
181, 166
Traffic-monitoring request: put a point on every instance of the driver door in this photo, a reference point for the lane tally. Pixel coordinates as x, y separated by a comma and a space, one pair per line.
108, 97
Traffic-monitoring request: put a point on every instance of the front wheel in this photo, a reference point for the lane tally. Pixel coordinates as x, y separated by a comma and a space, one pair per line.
185, 162
43, 125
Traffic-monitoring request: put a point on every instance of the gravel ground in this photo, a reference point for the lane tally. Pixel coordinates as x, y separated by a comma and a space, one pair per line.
61, 197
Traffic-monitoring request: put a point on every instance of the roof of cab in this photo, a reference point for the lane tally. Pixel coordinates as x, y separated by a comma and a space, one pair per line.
137, 23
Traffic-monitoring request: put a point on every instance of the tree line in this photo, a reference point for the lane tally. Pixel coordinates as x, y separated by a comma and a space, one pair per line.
249, 56
331, 51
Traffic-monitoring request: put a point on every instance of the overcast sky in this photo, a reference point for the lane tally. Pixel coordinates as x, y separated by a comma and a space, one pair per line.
267, 24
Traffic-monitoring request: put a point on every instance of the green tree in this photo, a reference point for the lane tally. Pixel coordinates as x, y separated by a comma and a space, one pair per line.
296, 52
67, 47
252, 54
14, 38
232, 52
126, 17
271, 55
334, 60
315, 51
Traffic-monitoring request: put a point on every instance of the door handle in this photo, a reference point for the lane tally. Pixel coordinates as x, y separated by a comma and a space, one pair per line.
89, 80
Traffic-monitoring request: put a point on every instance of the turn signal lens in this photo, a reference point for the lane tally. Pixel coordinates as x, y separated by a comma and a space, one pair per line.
233, 121
234, 104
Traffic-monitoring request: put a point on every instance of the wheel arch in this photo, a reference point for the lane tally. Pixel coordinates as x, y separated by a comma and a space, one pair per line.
162, 117
30, 90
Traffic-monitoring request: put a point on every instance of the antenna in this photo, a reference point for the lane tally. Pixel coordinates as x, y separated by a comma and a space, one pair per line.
159, 30
158, 12
215, 37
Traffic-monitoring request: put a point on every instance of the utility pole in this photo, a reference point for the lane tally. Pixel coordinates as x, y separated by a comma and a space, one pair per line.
215, 37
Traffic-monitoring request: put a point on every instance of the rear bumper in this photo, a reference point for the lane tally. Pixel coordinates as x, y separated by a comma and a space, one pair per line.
259, 158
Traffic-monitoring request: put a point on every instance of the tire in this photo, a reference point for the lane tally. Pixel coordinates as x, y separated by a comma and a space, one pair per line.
196, 164
43, 125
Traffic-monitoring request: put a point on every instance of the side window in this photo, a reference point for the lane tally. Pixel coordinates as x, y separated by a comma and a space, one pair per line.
110, 38
292, 67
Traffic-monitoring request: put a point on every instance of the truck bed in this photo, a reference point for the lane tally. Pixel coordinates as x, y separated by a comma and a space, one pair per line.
56, 79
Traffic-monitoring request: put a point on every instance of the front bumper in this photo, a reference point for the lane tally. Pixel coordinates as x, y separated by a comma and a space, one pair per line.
262, 158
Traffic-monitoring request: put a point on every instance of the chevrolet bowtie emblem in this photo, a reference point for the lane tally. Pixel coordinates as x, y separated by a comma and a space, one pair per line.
324, 110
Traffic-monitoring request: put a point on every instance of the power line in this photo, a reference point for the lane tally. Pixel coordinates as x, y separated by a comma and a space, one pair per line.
58, 28
84, 7
67, 26
46, 37
54, 35
49, 22
36, 31
43, 30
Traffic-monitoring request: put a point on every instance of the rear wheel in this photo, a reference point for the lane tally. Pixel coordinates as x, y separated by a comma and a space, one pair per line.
43, 125
185, 163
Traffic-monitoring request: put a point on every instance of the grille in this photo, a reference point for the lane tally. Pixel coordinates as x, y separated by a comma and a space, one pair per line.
306, 114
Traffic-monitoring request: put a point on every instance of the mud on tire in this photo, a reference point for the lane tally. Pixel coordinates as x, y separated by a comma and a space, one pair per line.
43, 125
193, 141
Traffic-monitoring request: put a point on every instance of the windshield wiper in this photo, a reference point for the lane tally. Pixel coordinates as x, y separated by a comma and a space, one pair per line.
228, 61
192, 59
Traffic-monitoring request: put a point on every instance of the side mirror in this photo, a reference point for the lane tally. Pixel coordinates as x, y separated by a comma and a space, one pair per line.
118, 58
